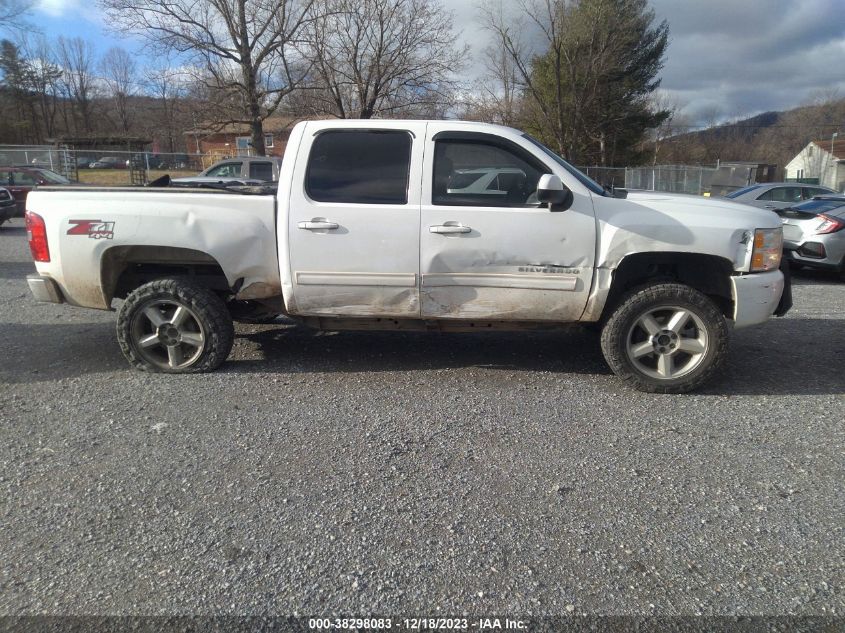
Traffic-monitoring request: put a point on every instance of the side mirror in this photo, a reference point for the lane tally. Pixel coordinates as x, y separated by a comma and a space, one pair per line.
550, 190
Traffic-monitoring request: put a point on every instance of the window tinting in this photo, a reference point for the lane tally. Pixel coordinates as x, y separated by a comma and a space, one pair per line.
472, 173
25, 178
782, 194
261, 171
359, 166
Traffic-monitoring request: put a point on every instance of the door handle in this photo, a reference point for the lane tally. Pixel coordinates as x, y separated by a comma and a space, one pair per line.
446, 229
315, 225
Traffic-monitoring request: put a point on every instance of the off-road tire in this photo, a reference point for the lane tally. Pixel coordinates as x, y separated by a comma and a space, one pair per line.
642, 301
206, 307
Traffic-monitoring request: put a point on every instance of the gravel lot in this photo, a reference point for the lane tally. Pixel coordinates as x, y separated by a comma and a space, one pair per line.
424, 474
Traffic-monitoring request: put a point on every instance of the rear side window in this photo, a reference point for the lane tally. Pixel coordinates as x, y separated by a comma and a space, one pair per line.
261, 171
359, 167
782, 194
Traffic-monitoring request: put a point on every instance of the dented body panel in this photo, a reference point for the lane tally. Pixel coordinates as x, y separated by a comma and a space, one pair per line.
433, 265
237, 232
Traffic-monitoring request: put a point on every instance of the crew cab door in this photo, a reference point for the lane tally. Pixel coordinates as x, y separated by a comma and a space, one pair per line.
354, 220
488, 249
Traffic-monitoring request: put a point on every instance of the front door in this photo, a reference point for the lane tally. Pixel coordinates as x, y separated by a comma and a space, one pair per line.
488, 250
354, 225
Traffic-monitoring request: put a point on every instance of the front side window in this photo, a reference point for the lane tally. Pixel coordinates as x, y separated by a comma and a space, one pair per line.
226, 170
359, 167
473, 173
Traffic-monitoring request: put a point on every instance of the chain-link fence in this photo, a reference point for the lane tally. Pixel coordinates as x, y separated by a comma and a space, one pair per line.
690, 179
102, 166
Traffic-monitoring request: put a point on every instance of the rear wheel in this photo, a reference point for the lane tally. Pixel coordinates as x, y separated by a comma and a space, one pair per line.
665, 338
174, 326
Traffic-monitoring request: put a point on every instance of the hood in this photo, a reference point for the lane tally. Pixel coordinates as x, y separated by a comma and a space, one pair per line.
719, 210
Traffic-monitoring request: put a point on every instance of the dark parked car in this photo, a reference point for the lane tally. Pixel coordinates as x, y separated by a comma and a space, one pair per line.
8, 207
175, 161
83, 162
21, 180
108, 162
148, 161
813, 234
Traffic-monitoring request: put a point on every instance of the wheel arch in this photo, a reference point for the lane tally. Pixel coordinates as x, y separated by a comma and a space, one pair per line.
125, 268
707, 273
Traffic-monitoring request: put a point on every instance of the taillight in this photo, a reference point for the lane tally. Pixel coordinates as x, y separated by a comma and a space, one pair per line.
829, 225
36, 231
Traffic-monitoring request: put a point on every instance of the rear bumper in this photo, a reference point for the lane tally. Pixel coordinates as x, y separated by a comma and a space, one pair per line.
757, 297
44, 289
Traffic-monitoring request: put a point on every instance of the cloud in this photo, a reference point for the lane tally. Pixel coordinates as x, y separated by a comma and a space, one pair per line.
58, 8
739, 57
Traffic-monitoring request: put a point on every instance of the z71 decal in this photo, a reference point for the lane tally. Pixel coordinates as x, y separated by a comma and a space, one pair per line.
95, 229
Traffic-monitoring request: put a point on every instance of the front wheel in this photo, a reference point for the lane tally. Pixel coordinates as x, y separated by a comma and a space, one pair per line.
174, 326
665, 338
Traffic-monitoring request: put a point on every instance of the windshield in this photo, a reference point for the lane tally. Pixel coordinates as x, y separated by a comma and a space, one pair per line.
585, 180
739, 192
53, 178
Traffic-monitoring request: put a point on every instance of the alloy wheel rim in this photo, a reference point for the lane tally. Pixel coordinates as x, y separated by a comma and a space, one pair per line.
667, 342
167, 334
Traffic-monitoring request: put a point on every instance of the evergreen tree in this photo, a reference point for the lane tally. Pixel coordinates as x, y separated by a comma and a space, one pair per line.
590, 89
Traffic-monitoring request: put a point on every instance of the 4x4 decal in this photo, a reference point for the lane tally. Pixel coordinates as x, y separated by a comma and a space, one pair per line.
95, 229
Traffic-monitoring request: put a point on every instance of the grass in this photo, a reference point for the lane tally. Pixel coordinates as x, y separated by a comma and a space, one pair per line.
120, 177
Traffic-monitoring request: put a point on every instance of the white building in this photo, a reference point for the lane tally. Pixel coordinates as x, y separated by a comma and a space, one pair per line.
818, 161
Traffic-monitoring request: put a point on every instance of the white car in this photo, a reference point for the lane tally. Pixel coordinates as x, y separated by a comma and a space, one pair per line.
244, 169
777, 195
375, 239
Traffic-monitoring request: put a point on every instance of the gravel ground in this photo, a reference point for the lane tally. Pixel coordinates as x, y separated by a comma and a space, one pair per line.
425, 474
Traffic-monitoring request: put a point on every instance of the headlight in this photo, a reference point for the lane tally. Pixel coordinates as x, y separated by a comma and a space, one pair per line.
768, 248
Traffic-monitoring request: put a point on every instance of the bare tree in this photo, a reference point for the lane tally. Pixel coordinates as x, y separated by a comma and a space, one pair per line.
12, 14
76, 57
44, 75
246, 48
382, 57
167, 86
119, 73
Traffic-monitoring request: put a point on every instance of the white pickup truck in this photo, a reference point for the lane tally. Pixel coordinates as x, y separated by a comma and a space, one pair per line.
430, 225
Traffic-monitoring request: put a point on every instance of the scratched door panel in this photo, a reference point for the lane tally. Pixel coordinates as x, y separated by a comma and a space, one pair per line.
513, 263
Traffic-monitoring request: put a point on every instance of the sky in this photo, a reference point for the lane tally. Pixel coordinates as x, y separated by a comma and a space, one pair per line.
726, 58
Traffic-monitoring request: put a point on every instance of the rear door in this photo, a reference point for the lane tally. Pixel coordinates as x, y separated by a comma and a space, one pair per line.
354, 220
488, 249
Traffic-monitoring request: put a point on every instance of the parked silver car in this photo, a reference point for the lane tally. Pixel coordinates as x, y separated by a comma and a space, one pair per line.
253, 168
813, 233
777, 195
